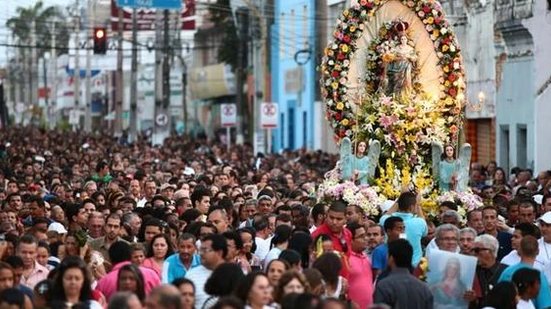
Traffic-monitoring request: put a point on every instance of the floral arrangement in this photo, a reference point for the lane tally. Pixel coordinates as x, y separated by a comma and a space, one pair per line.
362, 195
336, 63
423, 269
466, 200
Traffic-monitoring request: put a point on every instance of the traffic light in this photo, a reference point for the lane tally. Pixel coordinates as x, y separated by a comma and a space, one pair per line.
100, 41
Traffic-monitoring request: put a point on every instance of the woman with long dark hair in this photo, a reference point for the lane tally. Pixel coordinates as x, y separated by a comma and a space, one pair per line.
131, 280
159, 249
255, 291
249, 246
72, 284
330, 265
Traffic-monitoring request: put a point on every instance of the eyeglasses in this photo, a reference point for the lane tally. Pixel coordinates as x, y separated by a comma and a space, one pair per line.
205, 250
478, 250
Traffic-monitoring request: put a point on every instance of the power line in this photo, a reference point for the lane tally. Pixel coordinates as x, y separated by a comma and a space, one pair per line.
90, 48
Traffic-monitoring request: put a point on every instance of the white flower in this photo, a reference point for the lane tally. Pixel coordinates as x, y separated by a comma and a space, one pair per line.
444, 30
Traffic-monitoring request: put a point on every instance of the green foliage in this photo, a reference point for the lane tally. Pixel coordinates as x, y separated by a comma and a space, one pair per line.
221, 16
44, 18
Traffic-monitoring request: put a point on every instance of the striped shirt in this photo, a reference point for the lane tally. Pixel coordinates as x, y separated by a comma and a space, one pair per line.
199, 275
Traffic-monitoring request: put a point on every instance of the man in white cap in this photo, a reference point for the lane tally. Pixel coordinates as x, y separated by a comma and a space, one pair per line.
57, 227
167, 190
544, 243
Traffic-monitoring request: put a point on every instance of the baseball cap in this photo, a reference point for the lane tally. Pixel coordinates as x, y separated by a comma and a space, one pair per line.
546, 217
166, 186
57, 227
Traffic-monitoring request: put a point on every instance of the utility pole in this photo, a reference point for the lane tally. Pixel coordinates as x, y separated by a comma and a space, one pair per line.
76, 79
119, 79
242, 16
53, 52
34, 64
158, 76
166, 62
259, 60
134, 80
88, 112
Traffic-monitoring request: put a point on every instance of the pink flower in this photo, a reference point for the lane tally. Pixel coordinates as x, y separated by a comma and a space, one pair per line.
386, 101
387, 121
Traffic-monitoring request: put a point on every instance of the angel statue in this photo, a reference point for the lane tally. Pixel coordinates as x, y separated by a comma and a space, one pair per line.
399, 64
451, 174
359, 166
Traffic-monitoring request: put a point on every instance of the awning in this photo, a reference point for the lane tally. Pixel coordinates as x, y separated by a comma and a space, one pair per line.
211, 81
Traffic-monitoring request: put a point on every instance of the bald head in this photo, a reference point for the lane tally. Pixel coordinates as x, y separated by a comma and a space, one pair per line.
165, 296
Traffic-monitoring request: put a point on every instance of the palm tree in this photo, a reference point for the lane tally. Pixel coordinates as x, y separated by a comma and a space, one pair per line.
32, 32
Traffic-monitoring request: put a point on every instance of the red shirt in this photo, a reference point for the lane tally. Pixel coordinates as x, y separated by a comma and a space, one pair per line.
344, 239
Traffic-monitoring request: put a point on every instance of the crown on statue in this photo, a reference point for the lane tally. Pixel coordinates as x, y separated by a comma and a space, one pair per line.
401, 26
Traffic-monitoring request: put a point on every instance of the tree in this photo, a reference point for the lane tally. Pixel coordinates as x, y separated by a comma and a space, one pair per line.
44, 19
39, 21
222, 17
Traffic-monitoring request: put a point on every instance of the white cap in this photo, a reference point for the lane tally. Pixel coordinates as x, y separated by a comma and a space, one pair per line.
57, 227
538, 198
546, 218
188, 171
386, 205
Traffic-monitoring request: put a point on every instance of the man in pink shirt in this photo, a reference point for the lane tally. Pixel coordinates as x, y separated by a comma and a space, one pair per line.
33, 272
360, 277
120, 254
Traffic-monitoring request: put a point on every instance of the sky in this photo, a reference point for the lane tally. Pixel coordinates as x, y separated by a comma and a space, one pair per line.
8, 11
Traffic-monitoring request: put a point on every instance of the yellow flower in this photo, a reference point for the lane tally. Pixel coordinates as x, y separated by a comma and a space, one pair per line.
445, 48
340, 106
344, 122
352, 28
335, 85
446, 69
345, 48
430, 20
345, 13
387, 58
447, 83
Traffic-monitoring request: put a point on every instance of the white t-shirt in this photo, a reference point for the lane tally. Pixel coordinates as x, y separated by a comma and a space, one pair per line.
272, 255
525, 304
262, 247
544, 258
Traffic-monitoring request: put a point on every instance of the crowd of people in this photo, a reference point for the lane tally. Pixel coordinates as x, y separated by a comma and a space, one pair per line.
88, 221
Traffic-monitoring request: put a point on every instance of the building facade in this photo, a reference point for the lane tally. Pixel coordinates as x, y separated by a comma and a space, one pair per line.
524, 79
293, 63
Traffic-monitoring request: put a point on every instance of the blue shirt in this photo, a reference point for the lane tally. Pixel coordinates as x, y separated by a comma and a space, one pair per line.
379, 257
174, 269
543, 300
416, 228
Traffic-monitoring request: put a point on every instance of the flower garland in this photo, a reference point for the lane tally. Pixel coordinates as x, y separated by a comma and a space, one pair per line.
336, 62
